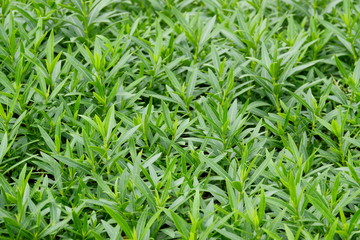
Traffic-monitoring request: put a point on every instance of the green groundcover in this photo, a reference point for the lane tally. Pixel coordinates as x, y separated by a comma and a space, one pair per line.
180, 119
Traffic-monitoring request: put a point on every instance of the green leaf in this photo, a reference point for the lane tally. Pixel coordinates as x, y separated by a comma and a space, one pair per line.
121, 221
322, 208
74, 164
181, 225
207, 31
78, 66
216, 167
48, 140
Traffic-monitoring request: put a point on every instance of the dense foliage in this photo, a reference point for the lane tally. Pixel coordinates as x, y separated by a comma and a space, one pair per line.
179, 119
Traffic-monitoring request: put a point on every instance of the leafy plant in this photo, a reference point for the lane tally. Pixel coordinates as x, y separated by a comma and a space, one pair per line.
169, 119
